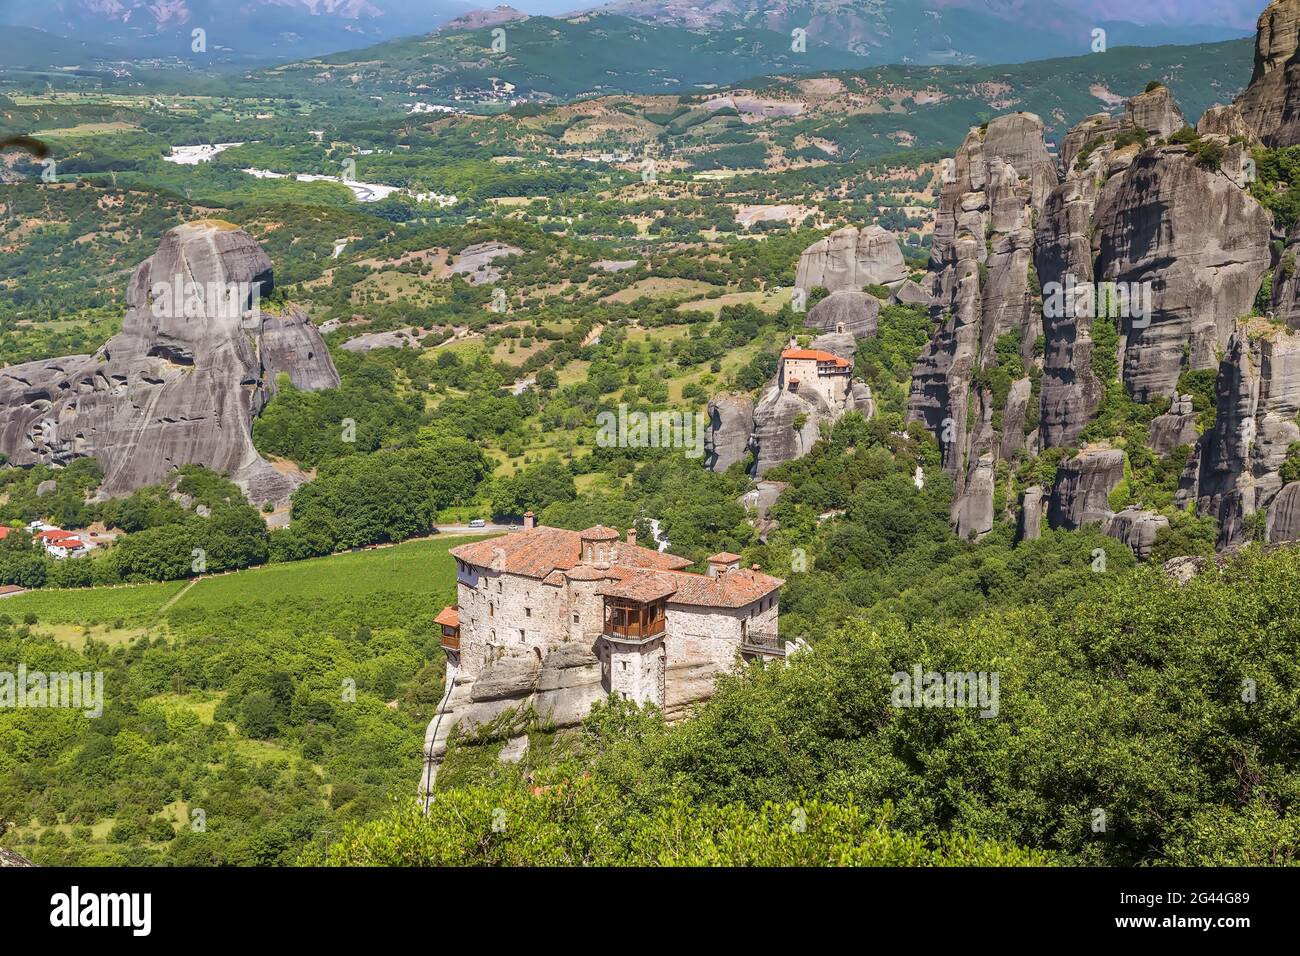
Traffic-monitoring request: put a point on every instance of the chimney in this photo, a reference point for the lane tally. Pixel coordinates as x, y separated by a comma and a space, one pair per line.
631, 536
720, 564
529, 521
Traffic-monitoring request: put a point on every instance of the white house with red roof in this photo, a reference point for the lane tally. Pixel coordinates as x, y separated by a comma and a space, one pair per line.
61, 544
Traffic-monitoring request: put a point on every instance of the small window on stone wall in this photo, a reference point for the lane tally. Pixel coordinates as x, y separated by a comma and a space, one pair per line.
528, 612
575, 618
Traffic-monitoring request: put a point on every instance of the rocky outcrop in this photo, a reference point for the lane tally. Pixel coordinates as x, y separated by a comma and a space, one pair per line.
1081, 494
1270, 104
408, 337
1017, 140
558, 690
1236, 469
1187, 244
1283, 521
982, 290
731, 422
910, 293
1089, 130
855, 313
180, 384
1285, 303
759, 500
786, 426
1198, 242
1175, 428
1063, 259
1226, 121
852, 259
1032, 513
1155, 112
786, 421
1186, 569
973, 512
1137, 529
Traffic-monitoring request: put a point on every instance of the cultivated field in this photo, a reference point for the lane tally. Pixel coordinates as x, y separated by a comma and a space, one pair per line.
422, 569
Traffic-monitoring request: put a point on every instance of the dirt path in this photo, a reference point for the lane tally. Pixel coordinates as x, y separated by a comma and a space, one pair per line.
178, 595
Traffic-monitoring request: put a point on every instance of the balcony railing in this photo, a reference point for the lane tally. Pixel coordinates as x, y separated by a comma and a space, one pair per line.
767, 644
634, 630
451, 638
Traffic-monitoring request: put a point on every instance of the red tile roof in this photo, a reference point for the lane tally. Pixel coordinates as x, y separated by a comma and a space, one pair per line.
539, 551
56, 535
724, 557
731, 590
816, 355
448, 617
634, 572
4, 532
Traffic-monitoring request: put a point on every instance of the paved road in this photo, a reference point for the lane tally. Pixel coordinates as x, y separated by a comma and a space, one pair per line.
466, 529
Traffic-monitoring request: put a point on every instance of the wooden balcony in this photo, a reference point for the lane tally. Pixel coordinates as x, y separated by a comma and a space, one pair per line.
633, 620
451, 638
449, 620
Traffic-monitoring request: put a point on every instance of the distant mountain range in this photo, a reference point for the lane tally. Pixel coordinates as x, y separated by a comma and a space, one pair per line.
235, 29
926, 32
958, 31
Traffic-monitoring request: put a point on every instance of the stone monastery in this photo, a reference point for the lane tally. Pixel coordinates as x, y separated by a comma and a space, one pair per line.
558, 620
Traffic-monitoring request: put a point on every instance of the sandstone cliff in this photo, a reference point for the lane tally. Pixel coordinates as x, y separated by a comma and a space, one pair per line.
182, 381
852, 259
982, 290
1270, 104
1236, 468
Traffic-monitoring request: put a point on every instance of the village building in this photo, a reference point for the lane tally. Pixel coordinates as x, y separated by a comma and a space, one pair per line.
61, 544
654, 627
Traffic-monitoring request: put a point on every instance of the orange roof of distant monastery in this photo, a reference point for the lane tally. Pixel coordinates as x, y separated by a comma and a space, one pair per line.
816, 355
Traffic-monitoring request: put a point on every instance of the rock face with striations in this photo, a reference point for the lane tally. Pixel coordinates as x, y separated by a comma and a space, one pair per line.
731, 422
981, 265
1286, 284
182, 381
1236, 468
852, 259
1137, 529
1155, 112
1201, 242
560, 689
856, 313
1083, 485
1283, 521
1175, 428
1270, 104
